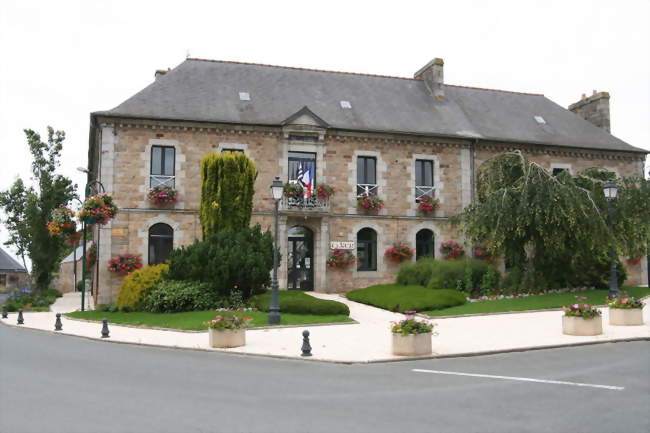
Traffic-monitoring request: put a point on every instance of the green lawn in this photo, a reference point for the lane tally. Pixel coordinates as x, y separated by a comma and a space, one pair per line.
193, 320
395, 297
538, 302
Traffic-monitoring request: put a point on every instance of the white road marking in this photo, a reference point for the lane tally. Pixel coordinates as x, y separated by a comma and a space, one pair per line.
522, 379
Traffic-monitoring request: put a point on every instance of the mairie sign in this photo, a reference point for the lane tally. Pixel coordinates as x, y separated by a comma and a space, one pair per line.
341, 245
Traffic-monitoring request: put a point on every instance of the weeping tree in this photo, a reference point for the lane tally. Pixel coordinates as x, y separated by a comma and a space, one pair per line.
227, 188
555, 228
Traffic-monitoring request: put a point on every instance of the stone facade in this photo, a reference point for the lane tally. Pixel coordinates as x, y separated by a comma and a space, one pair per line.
124, 154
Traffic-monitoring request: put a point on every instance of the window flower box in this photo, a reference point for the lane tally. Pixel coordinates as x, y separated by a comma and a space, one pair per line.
98, 209
427, 204
581, 319
293, 190
399, 253
340, 259
162, 195
625, 311
370, 203
324, 192
125, 263
633, 261
452, 250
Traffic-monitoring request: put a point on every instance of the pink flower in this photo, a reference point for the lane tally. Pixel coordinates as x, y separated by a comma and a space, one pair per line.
576, 306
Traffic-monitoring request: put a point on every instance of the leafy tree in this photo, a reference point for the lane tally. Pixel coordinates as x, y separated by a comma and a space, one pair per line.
28, 209
227, 189
553, 226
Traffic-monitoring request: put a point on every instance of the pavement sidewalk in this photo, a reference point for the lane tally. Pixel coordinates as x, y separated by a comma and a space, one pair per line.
369, 340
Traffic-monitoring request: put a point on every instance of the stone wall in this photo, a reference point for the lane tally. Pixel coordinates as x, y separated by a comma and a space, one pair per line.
124, 170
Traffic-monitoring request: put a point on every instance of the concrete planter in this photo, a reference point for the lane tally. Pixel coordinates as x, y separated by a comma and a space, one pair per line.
227, 337
626, 316
578, 326
412, 344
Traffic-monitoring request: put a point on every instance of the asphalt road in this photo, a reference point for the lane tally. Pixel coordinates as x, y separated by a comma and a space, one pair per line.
55, 383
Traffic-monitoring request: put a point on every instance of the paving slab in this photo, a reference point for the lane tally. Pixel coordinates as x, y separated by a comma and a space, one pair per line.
367, 341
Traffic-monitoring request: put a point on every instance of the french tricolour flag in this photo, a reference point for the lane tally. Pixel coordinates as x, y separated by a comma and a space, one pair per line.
305, 178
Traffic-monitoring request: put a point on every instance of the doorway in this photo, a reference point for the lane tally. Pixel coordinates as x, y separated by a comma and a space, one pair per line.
300, 259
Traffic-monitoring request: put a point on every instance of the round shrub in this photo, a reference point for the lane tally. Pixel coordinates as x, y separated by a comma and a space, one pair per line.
300, 303
176, 296
465, 275
136, 286
418, 273
398, 298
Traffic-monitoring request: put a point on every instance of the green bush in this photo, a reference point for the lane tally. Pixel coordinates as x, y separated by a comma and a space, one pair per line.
175, 296
418, 273
226, 261
296, 302
136, 286
465, 274
398, 298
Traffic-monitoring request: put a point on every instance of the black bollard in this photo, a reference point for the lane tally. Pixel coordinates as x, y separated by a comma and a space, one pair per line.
5, 314
306, 347
104, 328
21, 321
58, 326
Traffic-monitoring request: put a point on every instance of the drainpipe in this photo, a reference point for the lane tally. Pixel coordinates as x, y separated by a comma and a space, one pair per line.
472, 165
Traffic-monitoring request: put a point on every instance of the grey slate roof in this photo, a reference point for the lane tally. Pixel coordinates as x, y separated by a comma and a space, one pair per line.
206, 90
8, 264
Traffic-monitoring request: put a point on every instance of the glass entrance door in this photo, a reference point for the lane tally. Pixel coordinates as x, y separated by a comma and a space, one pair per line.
300, 256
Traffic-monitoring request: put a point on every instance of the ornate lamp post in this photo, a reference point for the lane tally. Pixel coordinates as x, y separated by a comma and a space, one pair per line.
274, 308
611, 190
83, 224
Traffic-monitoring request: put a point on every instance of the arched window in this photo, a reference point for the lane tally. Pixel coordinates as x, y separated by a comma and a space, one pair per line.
366, 250
424, 244
161, 243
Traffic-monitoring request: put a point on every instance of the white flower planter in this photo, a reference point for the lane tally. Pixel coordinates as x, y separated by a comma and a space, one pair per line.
626, 316
412, 344
572, 325
227, 337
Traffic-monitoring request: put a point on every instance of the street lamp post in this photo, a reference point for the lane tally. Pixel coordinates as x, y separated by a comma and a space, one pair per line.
274, 308
83, 224
611, 190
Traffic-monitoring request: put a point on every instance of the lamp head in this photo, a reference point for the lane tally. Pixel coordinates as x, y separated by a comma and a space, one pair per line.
277, 188
610, 189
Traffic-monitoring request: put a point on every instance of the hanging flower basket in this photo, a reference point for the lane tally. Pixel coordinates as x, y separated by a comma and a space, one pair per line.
452, 250
162, 195
324, 192
91, 255
482, 254
370, 203
98, 209
340, 259
428, 204
293, 190
73, 239
399, 253
125, 263
62, 222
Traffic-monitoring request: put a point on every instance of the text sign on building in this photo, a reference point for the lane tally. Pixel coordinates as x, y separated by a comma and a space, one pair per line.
340, 245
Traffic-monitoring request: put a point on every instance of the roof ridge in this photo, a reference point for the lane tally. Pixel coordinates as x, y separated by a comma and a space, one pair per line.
303, 69
494, 90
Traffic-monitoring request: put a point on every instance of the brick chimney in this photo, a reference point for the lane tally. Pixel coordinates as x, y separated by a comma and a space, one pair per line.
432, 74
595, 109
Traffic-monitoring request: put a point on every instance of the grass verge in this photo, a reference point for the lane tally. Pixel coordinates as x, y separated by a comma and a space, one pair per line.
536, 302
193, 320
395, 297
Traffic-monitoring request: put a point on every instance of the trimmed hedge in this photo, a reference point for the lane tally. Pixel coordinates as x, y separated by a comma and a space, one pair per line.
177, 296
136, 286
398, 298
299, 303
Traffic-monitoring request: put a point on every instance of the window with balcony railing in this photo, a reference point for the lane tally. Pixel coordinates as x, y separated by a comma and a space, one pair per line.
366, 176
163, 159
423, 179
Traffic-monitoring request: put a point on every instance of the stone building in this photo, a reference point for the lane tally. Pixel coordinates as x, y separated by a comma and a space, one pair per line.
13, 275
398, 138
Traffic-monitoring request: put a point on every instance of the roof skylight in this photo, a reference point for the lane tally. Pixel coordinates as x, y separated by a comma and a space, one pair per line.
346, 104
540, 120
244, 96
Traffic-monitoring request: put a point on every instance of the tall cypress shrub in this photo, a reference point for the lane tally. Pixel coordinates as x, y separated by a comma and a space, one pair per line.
227, 188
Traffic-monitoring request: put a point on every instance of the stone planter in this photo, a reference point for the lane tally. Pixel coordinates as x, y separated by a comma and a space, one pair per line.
227, 337
572, 325
626, 316
412, 344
